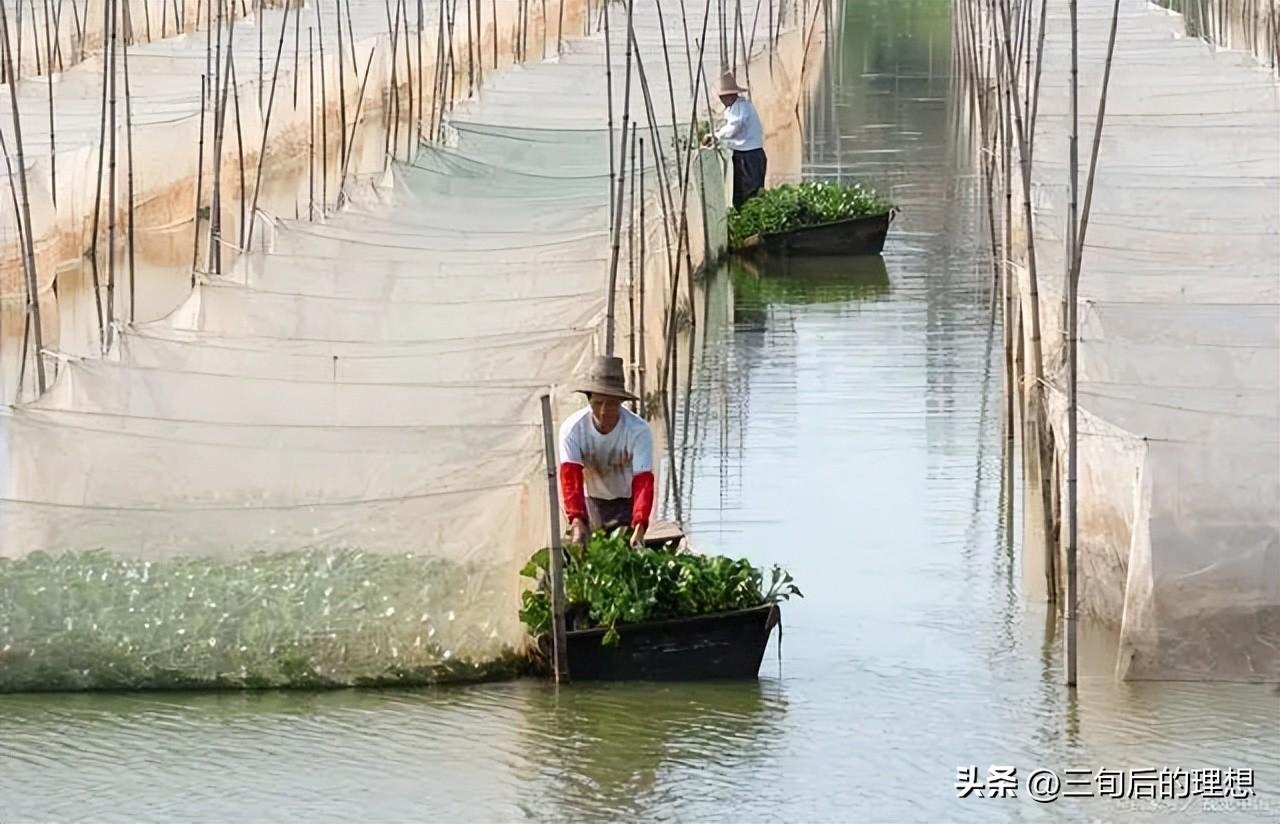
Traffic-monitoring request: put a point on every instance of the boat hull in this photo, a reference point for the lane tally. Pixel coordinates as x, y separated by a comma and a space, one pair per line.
726, 645
857, 236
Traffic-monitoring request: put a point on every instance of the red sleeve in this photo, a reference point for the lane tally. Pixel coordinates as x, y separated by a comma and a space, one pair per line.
571, 491
641, 498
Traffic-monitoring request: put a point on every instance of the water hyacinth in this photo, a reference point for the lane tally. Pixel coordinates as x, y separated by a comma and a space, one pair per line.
90, 620
797, 205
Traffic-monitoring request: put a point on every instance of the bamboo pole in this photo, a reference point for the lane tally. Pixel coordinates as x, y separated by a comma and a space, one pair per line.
631, 271
97, 206
640, 368
128, 142
1035, 93
660, 162
559, 646
324, 116
1069, 329
493, 7
258, 24
355, 124
297, 54
471, 66
608, 80
111, 182
408, 78
1035, 408
621, 185
53, 149
393, 93
215, 222
682, 237
1076, 253
422, 68
311, 124
266, 126
33, 281
444, 70
195, 253
343, 148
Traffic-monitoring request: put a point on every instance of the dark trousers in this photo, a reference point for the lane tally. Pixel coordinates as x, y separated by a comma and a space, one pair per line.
609, 513
748, 175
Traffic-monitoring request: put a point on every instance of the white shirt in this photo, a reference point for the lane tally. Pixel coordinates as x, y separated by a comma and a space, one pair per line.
742, 130
609, 462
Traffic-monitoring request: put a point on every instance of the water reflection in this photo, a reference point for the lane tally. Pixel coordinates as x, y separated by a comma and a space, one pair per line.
609, 759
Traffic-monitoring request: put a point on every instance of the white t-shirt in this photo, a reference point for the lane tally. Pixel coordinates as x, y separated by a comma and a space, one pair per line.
742, 130
609, 462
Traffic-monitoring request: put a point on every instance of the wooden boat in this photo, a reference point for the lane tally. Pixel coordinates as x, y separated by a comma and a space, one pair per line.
856, 236
723, 645
718, 646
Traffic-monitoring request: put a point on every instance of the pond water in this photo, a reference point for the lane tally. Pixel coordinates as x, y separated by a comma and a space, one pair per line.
845, 422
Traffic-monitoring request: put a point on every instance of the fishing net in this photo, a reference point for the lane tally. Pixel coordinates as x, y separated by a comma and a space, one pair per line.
325, 466
1179, 343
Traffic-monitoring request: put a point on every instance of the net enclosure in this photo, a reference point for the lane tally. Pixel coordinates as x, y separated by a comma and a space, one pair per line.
325, 466
1179, 340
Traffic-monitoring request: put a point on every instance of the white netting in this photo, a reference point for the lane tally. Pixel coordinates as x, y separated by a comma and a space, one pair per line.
325, 465
1179, 358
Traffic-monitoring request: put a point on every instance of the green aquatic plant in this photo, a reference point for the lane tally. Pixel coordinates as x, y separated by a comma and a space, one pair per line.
608, 583
317, 618
797, 205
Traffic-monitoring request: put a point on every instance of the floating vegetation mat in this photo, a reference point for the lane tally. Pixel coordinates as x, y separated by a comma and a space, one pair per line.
81, 621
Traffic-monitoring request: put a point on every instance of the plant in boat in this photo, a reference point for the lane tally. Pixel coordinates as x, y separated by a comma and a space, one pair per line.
608, 583
797, 205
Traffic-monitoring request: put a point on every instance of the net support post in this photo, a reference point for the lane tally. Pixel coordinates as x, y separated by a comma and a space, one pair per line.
560, 652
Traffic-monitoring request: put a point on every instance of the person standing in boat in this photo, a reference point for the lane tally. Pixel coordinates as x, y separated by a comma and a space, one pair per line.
743, 134
606, 458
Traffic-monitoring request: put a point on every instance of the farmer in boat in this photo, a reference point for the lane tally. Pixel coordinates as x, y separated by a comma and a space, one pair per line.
606, 458
743, 133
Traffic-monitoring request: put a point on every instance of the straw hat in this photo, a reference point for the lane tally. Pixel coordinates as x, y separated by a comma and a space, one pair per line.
729, 84
605, 376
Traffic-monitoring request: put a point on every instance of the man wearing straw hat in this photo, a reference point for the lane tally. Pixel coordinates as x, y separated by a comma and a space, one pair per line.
743, 133
606, 458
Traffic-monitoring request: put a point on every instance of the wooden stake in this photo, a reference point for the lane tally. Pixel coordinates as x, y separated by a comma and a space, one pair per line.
33, 282
560, 652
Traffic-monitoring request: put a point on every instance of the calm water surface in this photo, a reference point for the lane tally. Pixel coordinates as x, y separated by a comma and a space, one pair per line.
845, 423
